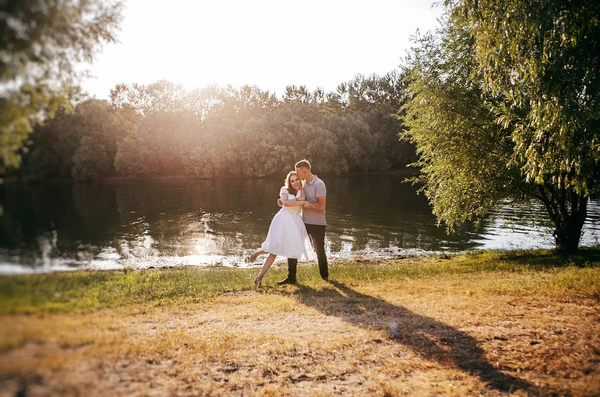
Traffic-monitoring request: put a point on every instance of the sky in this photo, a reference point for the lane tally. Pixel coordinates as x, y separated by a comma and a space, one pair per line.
268, 43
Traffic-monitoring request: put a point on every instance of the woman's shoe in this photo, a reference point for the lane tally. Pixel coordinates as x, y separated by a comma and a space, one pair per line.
258, 281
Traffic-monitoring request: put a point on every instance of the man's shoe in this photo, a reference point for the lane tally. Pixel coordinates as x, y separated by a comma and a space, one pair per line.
286, 280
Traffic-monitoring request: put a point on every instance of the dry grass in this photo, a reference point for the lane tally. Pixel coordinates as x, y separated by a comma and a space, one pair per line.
471, 325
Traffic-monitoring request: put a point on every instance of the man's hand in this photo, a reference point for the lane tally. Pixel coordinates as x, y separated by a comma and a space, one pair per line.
279, 202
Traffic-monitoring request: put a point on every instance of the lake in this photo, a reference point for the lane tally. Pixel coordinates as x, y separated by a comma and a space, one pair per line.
171, 222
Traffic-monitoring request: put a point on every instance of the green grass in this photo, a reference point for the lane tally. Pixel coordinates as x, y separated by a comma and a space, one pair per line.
446, 325
93, 290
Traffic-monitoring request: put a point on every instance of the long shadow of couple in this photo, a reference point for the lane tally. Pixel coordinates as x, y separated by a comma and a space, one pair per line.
427, 337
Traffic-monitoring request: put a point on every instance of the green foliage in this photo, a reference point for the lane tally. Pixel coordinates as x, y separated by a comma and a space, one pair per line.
19, 111
52, 156
463, 153
501, 110
40, 45
198, 163
64, 146
91, 160
134, 158
162, 129
541, 58
355, 143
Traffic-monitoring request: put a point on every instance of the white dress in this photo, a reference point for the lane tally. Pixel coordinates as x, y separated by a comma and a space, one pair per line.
287, 234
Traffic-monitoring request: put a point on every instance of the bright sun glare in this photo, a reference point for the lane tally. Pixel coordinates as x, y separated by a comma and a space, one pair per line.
270, 44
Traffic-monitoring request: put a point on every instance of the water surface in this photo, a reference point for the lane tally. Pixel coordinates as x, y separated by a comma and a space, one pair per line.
203, 222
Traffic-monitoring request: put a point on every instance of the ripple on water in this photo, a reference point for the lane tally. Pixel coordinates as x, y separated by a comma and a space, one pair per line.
219, 223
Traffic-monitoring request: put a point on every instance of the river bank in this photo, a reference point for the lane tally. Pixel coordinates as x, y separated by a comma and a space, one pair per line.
406, 171
488, 323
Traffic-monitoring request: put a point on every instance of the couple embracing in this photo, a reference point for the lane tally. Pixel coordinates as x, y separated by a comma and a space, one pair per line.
300, 222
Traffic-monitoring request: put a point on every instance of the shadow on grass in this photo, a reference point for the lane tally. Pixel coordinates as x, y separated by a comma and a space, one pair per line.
427, 337
584, 257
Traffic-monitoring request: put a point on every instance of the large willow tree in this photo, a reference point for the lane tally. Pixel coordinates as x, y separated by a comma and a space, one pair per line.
505, 105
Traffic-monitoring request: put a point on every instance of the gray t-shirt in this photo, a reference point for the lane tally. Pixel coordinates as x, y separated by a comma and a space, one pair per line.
313, 189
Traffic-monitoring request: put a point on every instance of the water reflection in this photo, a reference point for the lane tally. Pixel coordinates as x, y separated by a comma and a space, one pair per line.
175, 222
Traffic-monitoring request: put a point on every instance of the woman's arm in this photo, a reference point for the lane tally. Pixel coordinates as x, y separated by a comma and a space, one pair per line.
303, 199
290, 203
302, 195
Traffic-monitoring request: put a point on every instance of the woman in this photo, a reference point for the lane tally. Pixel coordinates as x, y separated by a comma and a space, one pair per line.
287, 234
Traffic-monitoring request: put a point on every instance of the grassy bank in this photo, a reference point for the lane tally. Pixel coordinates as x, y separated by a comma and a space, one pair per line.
485, 323
92, 290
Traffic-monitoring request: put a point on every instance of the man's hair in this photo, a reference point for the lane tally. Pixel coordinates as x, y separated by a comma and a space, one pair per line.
303, 163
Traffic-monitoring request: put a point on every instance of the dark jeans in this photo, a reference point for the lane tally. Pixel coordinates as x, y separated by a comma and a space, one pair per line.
317, 238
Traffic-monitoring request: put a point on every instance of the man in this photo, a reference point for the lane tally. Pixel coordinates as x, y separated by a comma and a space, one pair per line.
314, 220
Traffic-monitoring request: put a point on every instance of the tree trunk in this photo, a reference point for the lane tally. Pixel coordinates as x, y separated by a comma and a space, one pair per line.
568, 211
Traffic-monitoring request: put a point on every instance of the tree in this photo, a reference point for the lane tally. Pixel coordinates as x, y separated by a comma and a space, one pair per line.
298, 94
542, 58
134, 157
463, 153
160, 97
505, 106
53, 145
40, 45
102, 128
354, 142
377, 100
91, 160
51, 148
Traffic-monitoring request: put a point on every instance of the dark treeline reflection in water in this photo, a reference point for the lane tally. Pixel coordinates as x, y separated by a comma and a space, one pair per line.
210, 222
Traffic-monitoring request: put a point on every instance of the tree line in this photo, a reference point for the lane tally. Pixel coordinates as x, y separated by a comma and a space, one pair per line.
163, 129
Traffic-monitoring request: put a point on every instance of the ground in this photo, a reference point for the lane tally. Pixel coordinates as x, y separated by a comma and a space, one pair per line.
488, 324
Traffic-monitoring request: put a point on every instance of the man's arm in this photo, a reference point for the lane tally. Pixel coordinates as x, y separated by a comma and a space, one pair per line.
321, 191
320, 204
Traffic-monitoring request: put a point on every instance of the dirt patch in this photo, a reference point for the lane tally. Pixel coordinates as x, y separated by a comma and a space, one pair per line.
339, 340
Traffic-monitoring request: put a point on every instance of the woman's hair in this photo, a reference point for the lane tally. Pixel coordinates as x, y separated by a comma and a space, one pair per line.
288, 183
